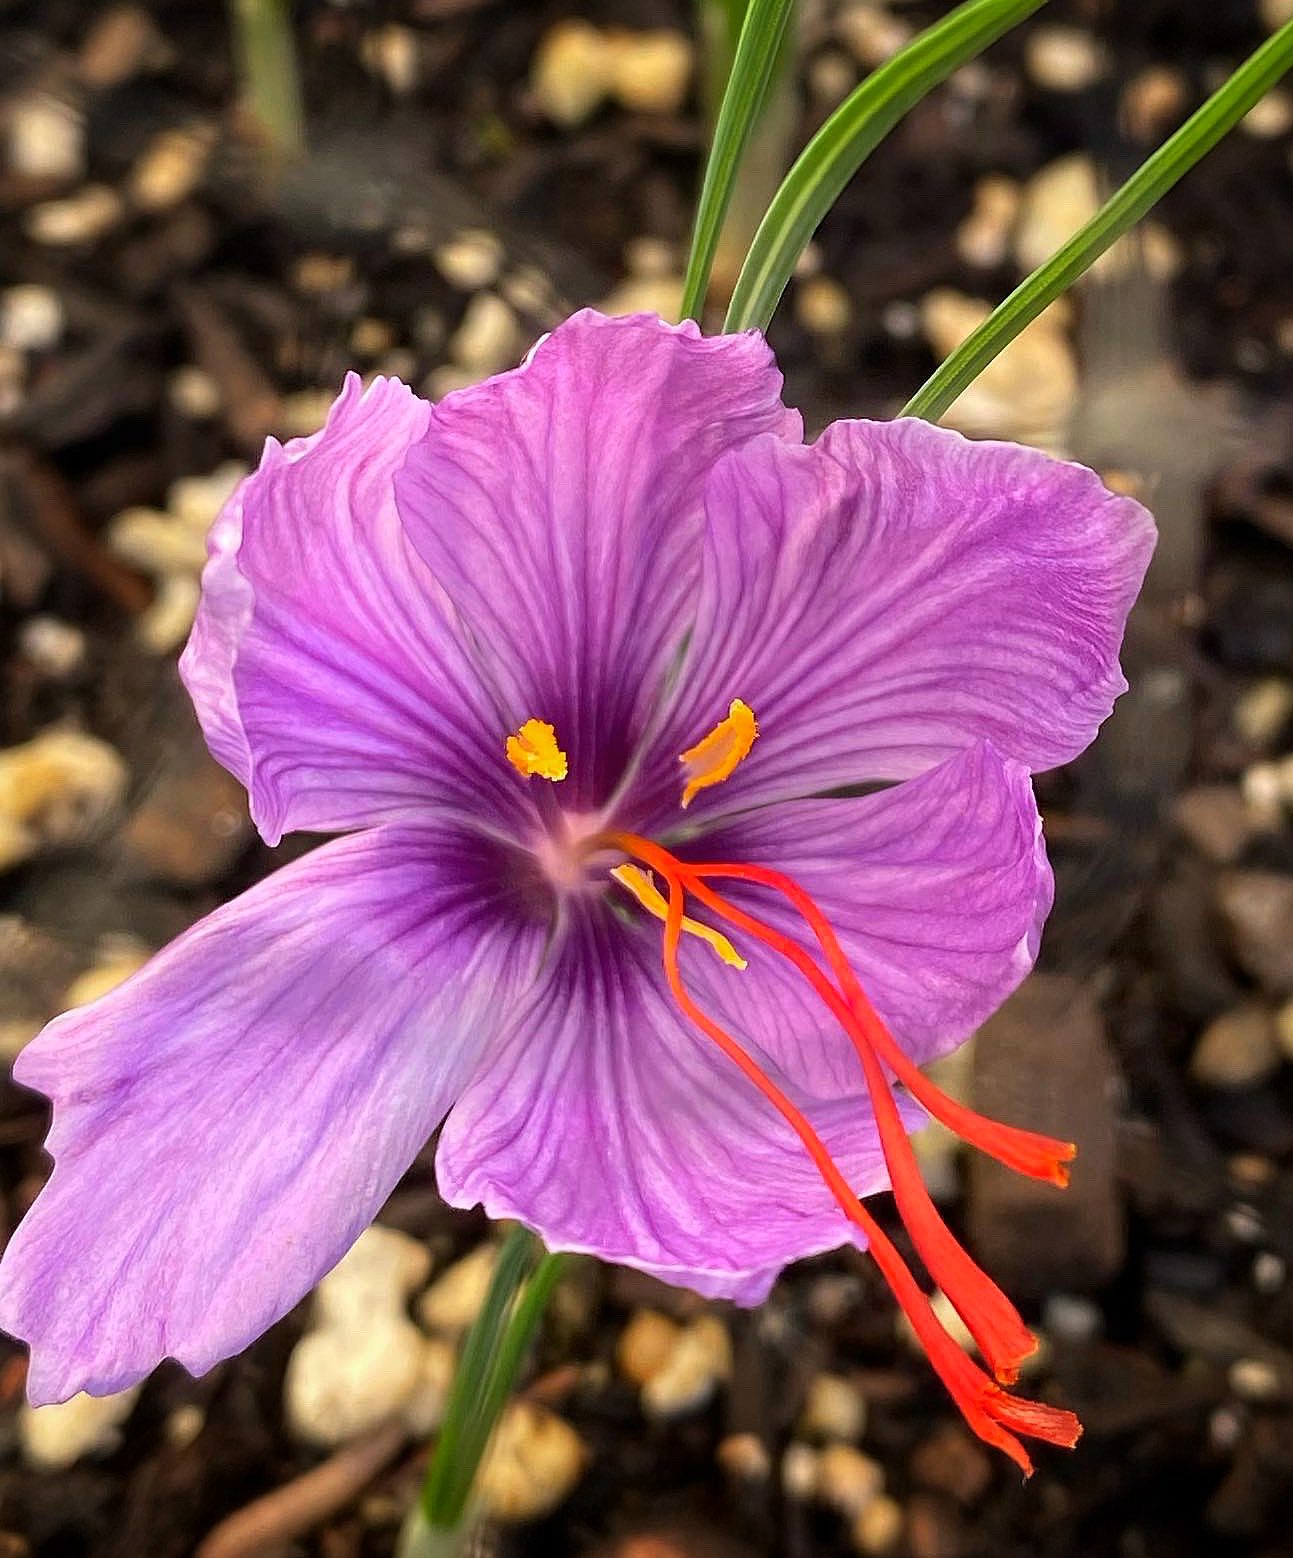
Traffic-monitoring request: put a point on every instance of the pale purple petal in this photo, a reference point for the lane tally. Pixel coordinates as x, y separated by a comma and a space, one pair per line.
937, 888
228, 1121
894, 592
561, 507
324, 666
610, 1125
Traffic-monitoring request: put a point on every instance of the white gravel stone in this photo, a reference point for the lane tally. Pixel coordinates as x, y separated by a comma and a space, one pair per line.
847, 1479
1061, 198
871, 33
343, 1380
1270, 117
46, 139
170, 615
1253, 1379
700, 1362
650, 72
646, 295
489, 338
424, 1410
471, 260
534, 1462
80, 218
983, 238
646, 1344
834, 1408
1027, 392
363, 1360
570, 76
453, 1300
877, 1530
392, 53
56, 648
1064, 59
1069, 1317
56, 1437
373, 1280
823, 306
31, 318
58, 789
1263, 710
194, 393
171, 168
114, 964
1237, 1049
744, 1457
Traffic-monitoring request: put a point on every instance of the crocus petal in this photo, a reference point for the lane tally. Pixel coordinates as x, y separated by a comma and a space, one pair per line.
937, 889
324, 667
228, 1121
894, 592
607, 1123
560, 505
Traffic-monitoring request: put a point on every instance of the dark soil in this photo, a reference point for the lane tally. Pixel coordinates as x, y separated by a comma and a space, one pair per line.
1183, 1236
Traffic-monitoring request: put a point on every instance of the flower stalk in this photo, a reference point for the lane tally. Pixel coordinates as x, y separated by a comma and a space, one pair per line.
271, 83
495, 1348
749, 49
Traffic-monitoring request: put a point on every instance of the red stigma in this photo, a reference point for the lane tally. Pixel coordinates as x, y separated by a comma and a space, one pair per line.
1001, 1335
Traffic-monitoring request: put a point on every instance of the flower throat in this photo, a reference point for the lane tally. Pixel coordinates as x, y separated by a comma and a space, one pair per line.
992, 1320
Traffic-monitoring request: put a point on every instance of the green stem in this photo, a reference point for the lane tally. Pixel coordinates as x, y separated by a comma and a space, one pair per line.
1177, 155
758, 49
478, 1352
497, 1386
848, 137
492, 1355
267, 63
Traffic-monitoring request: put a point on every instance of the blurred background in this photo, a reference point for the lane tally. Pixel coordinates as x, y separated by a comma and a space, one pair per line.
170, 293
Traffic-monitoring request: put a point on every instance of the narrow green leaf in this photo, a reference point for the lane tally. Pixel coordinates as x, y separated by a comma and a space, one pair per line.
266, 53
848, 137
757, 51
479, 1350
1175, 157
496, 1387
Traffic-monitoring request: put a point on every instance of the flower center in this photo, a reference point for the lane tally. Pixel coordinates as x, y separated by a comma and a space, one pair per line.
579, 853
574, 854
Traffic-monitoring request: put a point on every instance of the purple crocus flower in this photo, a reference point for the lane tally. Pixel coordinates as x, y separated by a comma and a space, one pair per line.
475, 639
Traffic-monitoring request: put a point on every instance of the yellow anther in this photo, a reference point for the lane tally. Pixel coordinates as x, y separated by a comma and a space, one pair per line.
715, 758
534, 750
642, 885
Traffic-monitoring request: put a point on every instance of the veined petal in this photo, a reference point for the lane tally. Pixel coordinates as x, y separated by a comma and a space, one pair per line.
561, 507
893, 593
607, 1123
937, 890
325, 667
228, 1121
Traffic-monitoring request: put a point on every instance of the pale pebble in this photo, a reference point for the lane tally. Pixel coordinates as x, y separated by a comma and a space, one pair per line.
454, 1299
56, 1437
701, 1360
532, 1465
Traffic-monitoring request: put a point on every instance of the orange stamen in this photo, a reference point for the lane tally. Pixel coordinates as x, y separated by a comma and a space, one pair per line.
985, 1406
1003, 1338
1027, 1152
991, 1318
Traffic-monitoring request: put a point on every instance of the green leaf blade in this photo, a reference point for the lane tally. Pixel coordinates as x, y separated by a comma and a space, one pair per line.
1177, 155
757, 52
848, 137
